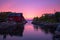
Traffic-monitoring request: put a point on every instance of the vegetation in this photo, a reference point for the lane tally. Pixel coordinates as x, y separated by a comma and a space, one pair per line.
49, 18
3, 16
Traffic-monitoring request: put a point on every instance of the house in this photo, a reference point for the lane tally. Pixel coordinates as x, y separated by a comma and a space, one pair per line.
16, 17
57, 15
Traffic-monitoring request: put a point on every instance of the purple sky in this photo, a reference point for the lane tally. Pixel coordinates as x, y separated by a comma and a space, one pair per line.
30, 8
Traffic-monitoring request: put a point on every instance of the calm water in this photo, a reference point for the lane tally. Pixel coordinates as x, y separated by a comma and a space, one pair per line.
28, 32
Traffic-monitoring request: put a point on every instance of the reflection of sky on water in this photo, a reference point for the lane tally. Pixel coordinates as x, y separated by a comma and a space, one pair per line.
30, 33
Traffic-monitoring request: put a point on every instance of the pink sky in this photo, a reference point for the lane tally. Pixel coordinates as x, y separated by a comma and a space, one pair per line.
30, 8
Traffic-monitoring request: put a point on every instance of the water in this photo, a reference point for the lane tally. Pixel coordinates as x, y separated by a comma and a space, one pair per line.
28, 32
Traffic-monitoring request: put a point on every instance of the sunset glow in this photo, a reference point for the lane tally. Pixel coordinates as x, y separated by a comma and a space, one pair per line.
30, 8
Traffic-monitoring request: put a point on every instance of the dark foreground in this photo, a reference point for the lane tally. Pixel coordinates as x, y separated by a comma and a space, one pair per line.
27, 32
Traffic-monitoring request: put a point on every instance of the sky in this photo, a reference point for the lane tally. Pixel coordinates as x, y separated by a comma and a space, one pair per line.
30, 8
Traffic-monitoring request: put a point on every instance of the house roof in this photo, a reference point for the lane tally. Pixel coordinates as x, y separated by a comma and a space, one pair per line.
15, 14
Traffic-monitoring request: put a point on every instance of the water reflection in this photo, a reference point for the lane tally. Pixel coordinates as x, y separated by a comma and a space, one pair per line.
16, 30
27, 32
47, 30
36, 27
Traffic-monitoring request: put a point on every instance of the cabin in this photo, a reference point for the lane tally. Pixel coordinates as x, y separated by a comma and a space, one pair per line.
16, 17
57, 15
